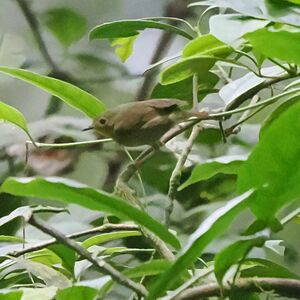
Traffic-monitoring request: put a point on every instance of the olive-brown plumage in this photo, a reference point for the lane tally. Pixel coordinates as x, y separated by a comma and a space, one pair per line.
141, 123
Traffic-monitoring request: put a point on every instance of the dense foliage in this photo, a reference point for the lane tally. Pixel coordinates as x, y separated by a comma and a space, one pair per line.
213, 212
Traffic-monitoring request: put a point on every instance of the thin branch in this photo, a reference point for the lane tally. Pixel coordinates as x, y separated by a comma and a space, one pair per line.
101, 229
176, 174
35, 28
282, 286
100, 264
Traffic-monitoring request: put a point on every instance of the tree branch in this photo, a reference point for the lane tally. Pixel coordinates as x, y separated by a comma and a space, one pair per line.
282, 286
100, 264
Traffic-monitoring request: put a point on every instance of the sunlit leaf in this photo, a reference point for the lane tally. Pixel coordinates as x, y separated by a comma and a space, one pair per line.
76, 292
12, 115
124, 46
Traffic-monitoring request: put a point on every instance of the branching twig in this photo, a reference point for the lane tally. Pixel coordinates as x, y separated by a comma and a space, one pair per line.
101, 229
282, 286
100, 264
176, 174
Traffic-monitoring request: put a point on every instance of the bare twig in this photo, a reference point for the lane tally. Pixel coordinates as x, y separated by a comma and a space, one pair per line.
101, 229
100, 264
282, 286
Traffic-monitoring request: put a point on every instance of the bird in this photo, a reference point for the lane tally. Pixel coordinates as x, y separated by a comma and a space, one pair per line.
142, 122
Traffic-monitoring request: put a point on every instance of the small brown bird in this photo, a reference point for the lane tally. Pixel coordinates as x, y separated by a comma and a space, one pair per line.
142, 123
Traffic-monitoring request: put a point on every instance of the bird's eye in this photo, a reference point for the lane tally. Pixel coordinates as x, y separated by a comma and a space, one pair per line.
102, 121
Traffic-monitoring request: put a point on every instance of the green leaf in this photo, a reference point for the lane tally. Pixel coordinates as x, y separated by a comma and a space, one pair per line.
12, 115
106, 237
186, 68
127, 28
285, 45
236, 26
233, 253
124, 46
10, 295
65, 24
68, 191
76, 292
216, 224
258, 267
70, 94
47, 274
67, 256
183, 89
24, 212
206, 45
277, 112
11, 239
273, 166
210, 169
278, 11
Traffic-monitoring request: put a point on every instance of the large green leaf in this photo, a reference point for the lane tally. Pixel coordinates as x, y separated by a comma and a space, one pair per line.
206, 45
210, 169
278, 11
184, 89
72, 95
285, 45
12, 115
233, 253
236, 26
186, 68
273, 168
127, 28
217, 223
73, 24
59, 189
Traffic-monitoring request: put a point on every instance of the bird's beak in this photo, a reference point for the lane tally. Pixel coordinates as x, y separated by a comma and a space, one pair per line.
88, 128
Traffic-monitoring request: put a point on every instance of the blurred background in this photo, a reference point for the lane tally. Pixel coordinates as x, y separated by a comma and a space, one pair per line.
51, 38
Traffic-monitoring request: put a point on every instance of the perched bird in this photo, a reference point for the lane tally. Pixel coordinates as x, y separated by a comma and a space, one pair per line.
143, 122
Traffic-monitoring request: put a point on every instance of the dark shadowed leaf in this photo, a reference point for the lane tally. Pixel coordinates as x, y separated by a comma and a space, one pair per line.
68, 191
217, 223
71, 94
183, 89
210, 169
